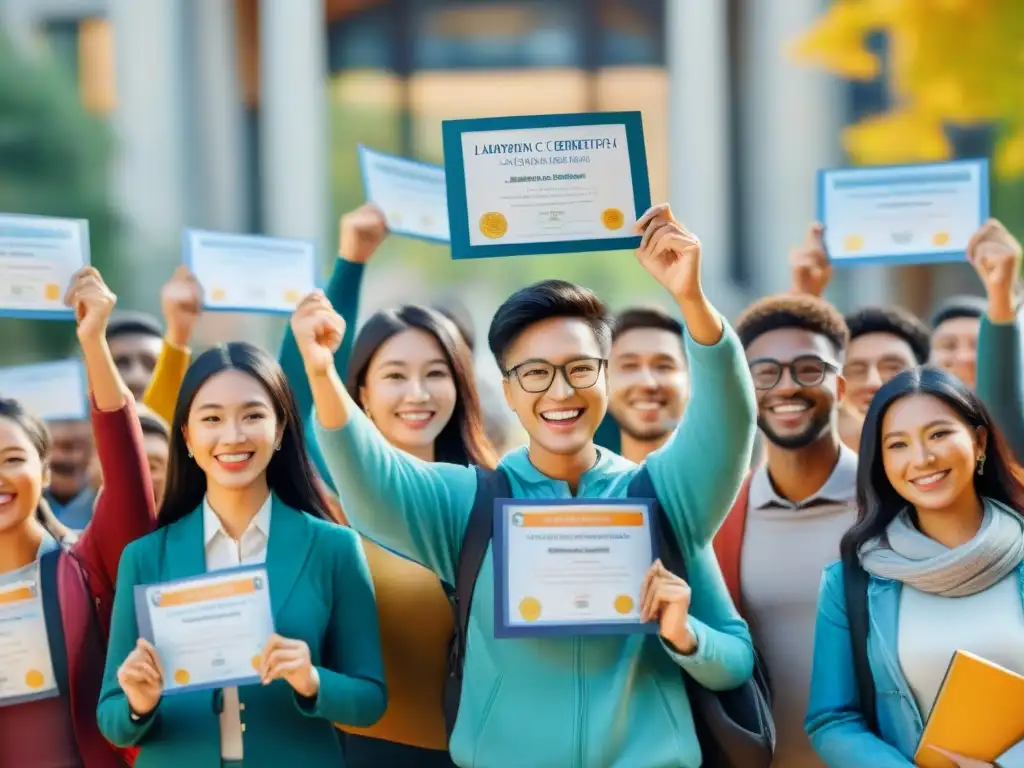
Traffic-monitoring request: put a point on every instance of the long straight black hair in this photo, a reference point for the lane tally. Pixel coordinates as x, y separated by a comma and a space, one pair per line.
462, 440
878, 503
38, 434
290, 473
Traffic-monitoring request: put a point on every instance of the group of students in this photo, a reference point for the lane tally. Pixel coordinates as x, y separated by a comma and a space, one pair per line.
352, 466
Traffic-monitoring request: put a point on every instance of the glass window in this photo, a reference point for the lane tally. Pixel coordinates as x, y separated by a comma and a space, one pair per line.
362, 40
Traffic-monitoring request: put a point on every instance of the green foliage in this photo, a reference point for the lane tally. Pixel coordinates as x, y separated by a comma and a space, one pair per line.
54, 161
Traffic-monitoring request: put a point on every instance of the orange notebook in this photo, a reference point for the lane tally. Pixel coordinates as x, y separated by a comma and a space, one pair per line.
979, 714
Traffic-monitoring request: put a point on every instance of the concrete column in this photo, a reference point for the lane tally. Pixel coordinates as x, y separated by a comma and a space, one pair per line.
699, 140
790, 121
293, 120
218, 113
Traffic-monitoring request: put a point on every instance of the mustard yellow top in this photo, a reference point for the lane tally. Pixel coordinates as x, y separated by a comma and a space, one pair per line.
162, 393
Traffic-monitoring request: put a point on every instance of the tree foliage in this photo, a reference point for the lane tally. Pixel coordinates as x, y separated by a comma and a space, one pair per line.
54, 161
949, 63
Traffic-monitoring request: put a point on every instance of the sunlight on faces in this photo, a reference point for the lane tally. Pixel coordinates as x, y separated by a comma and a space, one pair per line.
916, 427
561, 420
649, 383
955, 347
792, 415
409, 391
22, 476
871, 360
232, 429
136, 355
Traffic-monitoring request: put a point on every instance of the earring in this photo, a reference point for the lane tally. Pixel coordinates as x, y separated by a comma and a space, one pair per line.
278, 448
981, 464
190, 454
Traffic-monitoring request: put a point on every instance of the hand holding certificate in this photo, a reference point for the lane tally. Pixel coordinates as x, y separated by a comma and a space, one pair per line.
548, 184
38, 257
912, 214
209, 631
572, 568
244, 273
411, 194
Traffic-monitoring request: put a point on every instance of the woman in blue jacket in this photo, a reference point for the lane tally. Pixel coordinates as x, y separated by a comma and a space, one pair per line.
941, 536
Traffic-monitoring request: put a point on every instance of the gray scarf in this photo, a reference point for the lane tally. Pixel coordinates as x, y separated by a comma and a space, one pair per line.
906, 555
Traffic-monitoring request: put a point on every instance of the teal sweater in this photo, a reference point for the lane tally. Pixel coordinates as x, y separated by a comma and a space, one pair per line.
616, 702
1001, 380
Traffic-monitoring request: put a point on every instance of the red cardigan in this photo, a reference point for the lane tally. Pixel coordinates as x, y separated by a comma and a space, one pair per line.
87, 573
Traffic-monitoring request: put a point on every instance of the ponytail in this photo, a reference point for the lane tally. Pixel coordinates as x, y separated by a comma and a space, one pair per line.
64, 535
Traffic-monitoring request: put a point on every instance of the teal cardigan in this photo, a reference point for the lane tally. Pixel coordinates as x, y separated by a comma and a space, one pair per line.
320, 592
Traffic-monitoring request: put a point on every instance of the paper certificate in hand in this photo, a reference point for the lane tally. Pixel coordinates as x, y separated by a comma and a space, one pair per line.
210, 630
246, 273
26, 670
52, 391
38, 258
550, 184
910, 214
411, 194
571, 567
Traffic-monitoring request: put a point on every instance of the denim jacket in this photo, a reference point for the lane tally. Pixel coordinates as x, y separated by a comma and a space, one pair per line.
834, 721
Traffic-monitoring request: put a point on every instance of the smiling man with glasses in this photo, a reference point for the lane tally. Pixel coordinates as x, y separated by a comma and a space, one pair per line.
787, 521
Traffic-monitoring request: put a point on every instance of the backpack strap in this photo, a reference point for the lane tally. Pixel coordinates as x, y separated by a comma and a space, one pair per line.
728, 542
855, 587
48, 589
491, 484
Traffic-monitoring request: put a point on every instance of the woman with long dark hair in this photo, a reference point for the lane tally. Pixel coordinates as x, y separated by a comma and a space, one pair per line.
240, 490
412, 373
48, 713
940, 534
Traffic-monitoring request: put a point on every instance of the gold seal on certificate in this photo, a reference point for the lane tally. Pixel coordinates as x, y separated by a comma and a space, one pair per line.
571, 567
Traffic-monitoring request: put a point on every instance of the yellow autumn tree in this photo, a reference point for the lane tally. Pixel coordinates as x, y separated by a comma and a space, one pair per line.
950, 63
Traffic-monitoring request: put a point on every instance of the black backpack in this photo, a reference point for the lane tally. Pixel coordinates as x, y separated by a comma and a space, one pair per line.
855, 590
52, 616
735, 728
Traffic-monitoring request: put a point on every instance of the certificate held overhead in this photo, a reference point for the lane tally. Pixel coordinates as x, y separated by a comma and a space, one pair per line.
38, 257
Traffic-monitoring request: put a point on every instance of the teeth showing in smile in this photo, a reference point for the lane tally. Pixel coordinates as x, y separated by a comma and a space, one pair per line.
930, 479
790, 407
234, 458
5, 498
646, 405
416, 416
561, 415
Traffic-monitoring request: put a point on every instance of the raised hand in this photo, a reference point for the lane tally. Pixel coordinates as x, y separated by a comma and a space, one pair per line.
670, 253
142, 678
318, 331
666, 597
92, 302
809, 264
995, 255
361, 232
289, 660
181, 301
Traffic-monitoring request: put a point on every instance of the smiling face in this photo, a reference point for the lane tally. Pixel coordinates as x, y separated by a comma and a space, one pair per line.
70, 459
22, 476
562, 419
232, 430
955, 347
793, 413
409, 391
929, 453
649, 382
135, 355
871, 360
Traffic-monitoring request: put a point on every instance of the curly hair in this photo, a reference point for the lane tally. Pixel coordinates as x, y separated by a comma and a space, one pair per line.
897, 321
793, 311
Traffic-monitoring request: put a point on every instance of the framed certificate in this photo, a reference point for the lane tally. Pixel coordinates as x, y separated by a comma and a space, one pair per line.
571, 566
545, 184
906, 214
411, 194
209, 630
248, 273
54, 391
26, 667
38, 257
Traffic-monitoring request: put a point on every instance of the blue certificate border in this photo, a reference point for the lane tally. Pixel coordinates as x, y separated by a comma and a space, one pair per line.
363, 152
188, 258
455, 172
50, 693
504, 629
81, 415
145, 623
51, 314
907, 258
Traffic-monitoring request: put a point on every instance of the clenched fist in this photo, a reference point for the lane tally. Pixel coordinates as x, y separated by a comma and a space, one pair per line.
670, 253
995, 255
181, 301
318, 331
809, 264
92, 302
361, 232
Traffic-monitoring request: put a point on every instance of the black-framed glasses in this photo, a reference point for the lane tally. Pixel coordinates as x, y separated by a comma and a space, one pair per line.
536, 376
806, 371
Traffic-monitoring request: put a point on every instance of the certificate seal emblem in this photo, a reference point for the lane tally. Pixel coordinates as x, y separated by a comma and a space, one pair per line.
529, 608
612, 218
623, 604
853, 243
493, 225
940, 238
181, 676
34, 679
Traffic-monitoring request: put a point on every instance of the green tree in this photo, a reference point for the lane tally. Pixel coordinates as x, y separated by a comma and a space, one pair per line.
54, 161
